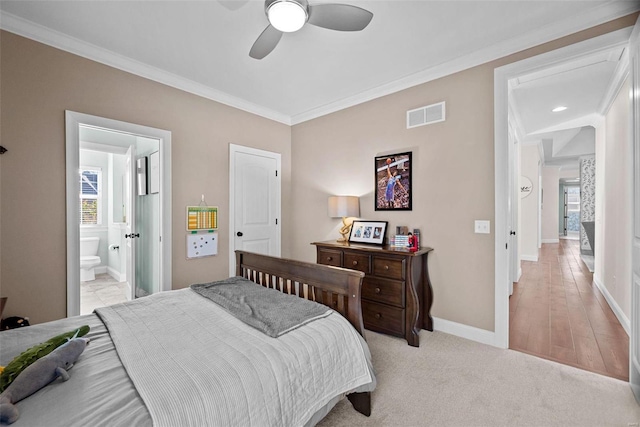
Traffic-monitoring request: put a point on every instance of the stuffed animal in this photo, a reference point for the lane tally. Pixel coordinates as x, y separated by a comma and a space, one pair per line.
39, 374
27, 357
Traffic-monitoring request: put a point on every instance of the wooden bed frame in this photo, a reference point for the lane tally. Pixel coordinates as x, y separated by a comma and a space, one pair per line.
337, 288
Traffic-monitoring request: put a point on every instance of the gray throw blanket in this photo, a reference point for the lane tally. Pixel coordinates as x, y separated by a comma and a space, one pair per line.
268, 310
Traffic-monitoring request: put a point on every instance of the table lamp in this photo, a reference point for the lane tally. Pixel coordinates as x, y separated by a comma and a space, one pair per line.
344, 207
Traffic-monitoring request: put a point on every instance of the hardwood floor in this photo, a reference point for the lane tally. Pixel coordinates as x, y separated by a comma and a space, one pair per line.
557, 313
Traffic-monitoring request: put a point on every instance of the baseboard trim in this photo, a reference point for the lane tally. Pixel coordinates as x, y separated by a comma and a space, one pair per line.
464, 331
120, 277
550, 240
533, 258
622, 318
519, 275
101, 269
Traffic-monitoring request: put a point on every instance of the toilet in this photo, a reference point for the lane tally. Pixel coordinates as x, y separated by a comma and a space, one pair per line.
89, 258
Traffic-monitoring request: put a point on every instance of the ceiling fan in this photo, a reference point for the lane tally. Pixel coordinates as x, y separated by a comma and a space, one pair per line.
287, 16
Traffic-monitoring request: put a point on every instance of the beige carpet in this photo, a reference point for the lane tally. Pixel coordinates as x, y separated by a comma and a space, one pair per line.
450, 381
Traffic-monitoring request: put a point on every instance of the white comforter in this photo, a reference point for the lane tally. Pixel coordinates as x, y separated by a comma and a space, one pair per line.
195, 364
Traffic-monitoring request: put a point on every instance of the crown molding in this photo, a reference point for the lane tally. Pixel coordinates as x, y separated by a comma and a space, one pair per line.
604, 13
619, 76
22, 27
593, 119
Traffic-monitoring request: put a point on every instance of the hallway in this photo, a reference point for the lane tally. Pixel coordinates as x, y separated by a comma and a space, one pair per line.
557, 313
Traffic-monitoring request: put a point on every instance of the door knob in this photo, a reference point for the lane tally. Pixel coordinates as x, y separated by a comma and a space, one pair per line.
239, 234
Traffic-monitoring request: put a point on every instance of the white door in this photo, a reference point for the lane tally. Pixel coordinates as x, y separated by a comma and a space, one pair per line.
130, 225
634, 342
254, 202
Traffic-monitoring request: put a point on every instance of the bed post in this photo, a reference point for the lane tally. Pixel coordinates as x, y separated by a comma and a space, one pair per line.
361, 402
354, 308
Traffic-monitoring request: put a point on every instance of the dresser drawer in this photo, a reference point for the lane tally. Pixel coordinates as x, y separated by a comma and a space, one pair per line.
383, 318
391, 268
358, 262
384, 290
329, 257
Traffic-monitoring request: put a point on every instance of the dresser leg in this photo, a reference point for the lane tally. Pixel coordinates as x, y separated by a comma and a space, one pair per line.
428, 323
427, 320
413, 338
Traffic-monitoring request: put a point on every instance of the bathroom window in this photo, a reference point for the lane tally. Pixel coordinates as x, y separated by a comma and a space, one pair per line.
90, 196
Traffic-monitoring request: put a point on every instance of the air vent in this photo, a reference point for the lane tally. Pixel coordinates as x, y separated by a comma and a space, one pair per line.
433, 113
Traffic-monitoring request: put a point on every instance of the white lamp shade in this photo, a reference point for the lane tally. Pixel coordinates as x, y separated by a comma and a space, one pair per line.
344, 206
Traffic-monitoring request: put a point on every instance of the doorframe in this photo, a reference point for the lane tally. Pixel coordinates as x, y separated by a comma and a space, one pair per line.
502, 76
73, 121
634, 333
514, 252
233, 150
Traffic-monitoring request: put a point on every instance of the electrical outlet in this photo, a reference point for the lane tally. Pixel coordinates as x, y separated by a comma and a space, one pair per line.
482, 227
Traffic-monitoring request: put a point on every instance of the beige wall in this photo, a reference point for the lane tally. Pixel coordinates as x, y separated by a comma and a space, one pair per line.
453, 177
452, 182
615, 252
529, 163
453, 170
38, 84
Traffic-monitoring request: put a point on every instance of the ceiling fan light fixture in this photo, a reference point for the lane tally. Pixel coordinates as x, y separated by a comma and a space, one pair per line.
287, 15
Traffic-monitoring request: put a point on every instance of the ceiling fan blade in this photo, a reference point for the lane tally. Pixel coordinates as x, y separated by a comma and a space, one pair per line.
233, 4
265, 43
340, 17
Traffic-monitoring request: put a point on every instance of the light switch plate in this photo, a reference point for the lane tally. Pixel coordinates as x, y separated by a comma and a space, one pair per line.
200, 245
482, 227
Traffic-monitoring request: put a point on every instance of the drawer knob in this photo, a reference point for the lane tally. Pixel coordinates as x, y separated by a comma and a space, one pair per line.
377, 290
378, 315
386, 267
355, 262
329, 258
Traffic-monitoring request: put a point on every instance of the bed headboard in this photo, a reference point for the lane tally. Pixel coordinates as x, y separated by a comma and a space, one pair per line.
338, 288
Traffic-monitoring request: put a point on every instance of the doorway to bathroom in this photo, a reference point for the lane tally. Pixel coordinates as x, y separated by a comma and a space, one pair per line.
118, 212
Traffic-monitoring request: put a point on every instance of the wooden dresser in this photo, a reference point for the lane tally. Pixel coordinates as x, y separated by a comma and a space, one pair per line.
396, 291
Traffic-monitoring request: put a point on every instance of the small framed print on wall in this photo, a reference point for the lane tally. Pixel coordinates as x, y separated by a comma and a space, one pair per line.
393, 182
368, 232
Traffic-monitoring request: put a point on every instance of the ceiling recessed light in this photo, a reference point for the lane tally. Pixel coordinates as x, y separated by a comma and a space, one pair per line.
558, 109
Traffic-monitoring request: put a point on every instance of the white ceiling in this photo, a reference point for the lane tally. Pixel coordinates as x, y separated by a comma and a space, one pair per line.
203, 46
583, 85
578, 85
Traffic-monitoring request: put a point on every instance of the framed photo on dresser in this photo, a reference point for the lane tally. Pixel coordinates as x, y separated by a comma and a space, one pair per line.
368, 232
